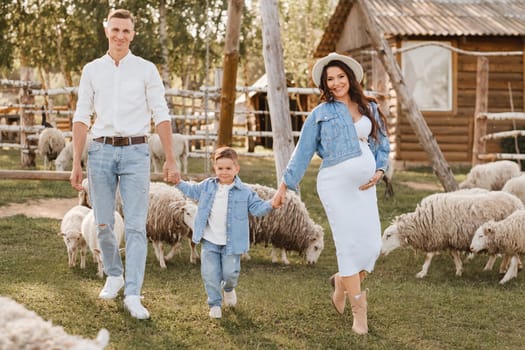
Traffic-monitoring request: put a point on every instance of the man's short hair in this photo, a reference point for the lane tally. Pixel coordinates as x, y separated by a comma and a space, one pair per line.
121, 13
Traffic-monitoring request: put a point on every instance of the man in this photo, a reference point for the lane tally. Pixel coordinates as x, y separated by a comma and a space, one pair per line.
122, 92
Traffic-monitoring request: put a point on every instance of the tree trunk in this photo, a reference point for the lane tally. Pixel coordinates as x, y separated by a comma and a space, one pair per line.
163, 34
418, 123
229, 80
278, 101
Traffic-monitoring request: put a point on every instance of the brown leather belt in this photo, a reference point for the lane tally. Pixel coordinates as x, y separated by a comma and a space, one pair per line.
121, 140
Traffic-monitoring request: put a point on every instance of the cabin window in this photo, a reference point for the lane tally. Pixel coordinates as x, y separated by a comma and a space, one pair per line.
428, 74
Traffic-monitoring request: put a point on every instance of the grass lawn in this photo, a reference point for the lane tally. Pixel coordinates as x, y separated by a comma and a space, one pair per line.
280, 307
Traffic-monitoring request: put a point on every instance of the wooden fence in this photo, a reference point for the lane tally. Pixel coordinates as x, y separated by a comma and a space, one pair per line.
480, 125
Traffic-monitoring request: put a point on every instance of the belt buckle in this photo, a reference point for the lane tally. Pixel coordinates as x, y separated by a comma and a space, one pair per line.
120, 141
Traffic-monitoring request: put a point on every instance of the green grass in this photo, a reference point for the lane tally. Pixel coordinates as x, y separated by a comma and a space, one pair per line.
280, 307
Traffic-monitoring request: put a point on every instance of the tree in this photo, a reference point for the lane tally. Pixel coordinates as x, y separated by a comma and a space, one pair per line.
303, 22
277, 91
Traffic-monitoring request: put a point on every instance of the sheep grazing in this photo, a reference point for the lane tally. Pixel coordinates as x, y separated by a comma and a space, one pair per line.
289, 228
50, 143
21, 328
70, 230
447, 221
89, 232
505, 237
516, 186
64, 160
491, 176
170, 219
180, 152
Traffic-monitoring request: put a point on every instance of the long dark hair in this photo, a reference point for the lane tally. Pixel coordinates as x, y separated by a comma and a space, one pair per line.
356, 95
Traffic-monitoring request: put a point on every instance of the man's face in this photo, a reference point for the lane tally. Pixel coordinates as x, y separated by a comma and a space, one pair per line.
120, 33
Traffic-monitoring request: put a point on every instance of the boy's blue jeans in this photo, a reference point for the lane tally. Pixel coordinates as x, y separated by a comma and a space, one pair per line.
219, 271
129, 168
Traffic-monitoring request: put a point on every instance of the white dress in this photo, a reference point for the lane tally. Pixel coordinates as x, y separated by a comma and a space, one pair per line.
353, 214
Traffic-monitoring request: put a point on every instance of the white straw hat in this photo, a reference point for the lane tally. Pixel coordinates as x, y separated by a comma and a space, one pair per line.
317, 71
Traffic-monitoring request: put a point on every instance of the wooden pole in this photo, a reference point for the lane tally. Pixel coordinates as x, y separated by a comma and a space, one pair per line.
429, 144
480, 120
27, 119
231, 59
278, 101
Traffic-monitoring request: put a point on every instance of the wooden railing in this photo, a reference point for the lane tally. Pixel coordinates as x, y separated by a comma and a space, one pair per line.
480, 128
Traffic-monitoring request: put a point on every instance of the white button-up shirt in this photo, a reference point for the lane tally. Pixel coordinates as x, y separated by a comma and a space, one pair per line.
122, 98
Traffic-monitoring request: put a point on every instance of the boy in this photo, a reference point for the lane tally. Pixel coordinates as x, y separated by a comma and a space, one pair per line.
221, 226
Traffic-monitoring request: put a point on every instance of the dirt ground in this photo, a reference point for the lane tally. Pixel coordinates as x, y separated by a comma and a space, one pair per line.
54, 208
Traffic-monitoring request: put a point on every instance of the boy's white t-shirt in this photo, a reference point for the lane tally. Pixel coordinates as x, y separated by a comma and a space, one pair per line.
215, 231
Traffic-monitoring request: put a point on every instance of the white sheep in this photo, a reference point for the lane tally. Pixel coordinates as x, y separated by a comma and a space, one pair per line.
505, 237
516, 186
50, 143
64, 160
447, 221
70, 230
289, 228
180, 147
170, 219
491, 176
83, 196
89, 232
21, 328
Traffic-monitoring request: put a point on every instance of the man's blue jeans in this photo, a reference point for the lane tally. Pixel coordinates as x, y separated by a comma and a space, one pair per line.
219, 271
127, 167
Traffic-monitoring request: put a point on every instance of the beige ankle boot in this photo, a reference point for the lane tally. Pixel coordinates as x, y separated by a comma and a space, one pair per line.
359, 310
339, 294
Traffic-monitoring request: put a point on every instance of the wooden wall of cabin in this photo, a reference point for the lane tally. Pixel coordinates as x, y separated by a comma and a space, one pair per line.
453, 131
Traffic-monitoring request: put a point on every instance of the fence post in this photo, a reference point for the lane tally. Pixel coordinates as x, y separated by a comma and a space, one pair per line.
27, 154
480, 121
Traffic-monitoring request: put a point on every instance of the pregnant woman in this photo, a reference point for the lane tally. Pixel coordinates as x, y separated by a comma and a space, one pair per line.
348, 132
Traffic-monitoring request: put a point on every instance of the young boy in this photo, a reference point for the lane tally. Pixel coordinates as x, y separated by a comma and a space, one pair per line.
221, 226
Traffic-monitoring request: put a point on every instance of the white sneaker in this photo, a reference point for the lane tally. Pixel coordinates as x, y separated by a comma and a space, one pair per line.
135, 308
215, 312
230, 298
113, 285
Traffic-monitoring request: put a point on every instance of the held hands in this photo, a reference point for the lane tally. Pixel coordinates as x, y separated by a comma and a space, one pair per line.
279, 198
378, 175
171, 172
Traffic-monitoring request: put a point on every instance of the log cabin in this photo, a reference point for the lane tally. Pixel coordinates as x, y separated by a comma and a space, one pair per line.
442, 81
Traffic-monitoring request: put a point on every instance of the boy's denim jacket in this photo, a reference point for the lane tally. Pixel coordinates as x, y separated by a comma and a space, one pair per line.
330, 132
242, 200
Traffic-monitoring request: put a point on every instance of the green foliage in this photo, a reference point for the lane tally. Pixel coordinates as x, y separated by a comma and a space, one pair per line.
62, 36
280, 307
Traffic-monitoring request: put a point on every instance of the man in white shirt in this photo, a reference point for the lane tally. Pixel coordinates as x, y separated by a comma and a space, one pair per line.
122, 92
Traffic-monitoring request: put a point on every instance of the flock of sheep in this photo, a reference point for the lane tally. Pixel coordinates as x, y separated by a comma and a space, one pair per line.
486, 214
170, 222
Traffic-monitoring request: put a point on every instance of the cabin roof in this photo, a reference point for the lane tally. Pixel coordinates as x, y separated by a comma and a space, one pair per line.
433, 18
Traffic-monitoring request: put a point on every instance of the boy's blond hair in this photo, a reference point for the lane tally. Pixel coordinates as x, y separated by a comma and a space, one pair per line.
225, 152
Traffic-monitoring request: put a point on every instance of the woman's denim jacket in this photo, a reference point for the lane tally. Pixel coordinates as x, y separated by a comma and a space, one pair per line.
241, 201
329, 131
